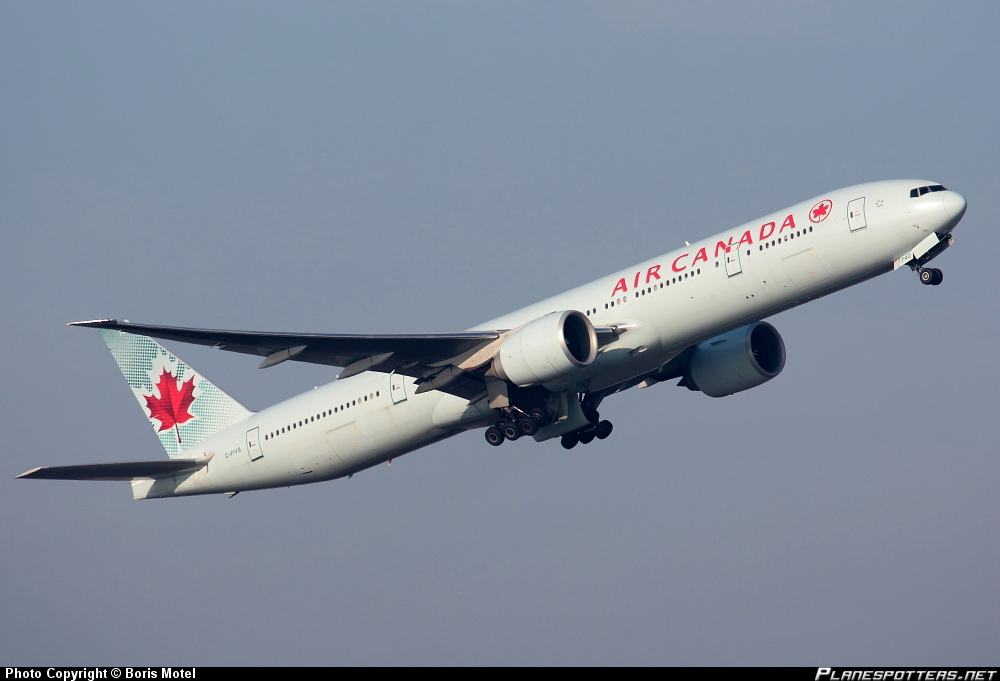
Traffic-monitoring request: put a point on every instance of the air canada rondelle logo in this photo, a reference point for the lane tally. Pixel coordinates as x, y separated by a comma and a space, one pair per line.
819, 212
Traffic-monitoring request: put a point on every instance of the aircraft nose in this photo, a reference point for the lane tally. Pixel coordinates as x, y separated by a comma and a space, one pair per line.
954, 205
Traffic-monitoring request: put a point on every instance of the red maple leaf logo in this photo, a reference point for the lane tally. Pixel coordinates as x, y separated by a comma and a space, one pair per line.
171, 407
819, 212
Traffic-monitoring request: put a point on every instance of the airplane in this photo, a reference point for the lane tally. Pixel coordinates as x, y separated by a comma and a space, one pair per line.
694, 314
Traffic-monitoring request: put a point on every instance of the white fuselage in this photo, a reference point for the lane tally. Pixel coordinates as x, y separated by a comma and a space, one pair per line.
667, 303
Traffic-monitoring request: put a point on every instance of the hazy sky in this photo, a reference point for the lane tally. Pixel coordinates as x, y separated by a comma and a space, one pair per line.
403, 167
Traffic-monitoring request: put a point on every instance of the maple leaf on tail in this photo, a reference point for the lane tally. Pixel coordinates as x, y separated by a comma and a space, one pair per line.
171, 407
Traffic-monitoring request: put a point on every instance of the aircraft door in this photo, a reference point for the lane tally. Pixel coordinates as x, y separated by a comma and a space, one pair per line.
733, 266
397, 388
253, 444
856, 214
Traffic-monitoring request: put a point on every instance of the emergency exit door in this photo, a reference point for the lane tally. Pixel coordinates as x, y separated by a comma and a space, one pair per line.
856, 214
253, 444
733, 265
397, 389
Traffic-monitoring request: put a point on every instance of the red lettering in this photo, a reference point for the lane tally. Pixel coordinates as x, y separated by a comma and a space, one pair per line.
653, 272
674, 266
745, 239
769, 232
700, 255
620, 286
635, 284
723, 246
789, 223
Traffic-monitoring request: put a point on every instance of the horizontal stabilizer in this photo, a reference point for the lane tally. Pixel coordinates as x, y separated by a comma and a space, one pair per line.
125, 470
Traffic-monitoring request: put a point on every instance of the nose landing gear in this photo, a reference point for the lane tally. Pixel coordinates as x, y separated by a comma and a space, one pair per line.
930, 276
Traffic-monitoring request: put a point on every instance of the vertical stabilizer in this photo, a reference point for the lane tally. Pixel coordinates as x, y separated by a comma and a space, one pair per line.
182, 405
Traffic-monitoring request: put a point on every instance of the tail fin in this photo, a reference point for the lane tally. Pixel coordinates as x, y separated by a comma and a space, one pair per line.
183, 406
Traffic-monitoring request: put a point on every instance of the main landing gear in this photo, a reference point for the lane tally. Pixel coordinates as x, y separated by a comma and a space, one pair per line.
515, 424
597, 428
930, 276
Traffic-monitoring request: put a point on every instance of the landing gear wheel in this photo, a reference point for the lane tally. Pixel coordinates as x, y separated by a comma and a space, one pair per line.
528, 426
587, 436
569, 441
927, 277
510, 430
592, 415
538, 414
494, 436
603, 429
937, 278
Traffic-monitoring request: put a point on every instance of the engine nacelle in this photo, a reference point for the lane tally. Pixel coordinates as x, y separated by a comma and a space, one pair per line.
546, 349
738, 360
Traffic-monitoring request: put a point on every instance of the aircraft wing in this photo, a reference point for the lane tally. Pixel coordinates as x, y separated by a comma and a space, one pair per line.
126, 470
431, 358
414, 355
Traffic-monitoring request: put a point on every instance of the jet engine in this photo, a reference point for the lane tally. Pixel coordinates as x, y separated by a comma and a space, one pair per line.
737, 361
547, 348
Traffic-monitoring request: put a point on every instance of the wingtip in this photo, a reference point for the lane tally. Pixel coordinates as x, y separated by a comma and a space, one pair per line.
94, 322
27, 474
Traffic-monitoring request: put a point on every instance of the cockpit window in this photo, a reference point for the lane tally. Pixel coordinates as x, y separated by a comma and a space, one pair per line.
920, 191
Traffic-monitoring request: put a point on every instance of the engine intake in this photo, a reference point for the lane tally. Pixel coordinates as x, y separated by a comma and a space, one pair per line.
738, 360
547, 348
